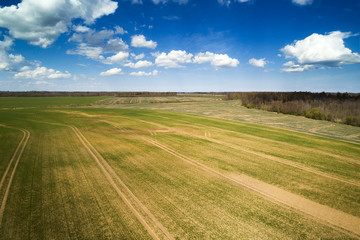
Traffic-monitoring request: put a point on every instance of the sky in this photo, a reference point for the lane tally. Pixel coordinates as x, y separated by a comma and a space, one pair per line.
180, 45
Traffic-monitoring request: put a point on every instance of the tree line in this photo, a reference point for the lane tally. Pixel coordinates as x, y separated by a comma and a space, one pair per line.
83, 94
334, 107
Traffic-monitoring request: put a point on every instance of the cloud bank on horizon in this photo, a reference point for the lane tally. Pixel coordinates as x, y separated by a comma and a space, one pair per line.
115, 38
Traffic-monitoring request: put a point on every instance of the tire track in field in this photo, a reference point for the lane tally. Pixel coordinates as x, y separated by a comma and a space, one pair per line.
97, 157
17, 155
14, 155
304, 148
259, 154
331, 217
262, 155
347, 159
109, 173
323, 214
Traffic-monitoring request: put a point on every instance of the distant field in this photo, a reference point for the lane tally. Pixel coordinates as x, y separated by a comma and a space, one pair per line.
95, 173
23, 102
169, 99
234, 111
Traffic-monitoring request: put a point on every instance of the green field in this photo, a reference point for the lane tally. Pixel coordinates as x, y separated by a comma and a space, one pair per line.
182, 98
234, 111
26, 102
131, 173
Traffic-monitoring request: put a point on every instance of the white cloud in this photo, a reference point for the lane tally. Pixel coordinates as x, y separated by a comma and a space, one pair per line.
94, 53
139, 64
18, 65
105, 39
140, 41
120, 30
41, 73
137, 57
173, 59
111, 72
9, 62
216, 60
258, 62
320, 49
302, 2
42, 22
141, 73
293, 67
96, 44
81, 29
120, 57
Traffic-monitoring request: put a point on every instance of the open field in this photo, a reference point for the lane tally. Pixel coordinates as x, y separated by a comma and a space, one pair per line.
26, 102
234, 111
96, 173
170, 99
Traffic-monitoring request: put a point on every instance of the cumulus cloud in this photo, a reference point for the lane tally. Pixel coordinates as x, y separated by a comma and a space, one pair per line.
120, 30
141, 73
106, 39
140, 41
137, 57
120, 57
24, 69
173, 59
139, 64
258, 62
291, 66
302, 2
9, 62
40, 73
96, 44
94, 53
41, 23
80, 28
216, 60
321, 49
111, 72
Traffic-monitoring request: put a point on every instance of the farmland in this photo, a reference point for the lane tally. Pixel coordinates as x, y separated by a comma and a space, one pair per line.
26, 102
123, 172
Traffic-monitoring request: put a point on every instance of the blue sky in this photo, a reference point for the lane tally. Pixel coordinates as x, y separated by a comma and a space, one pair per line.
180, 45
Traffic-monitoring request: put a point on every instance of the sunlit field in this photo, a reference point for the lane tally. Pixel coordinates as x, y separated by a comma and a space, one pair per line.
109, 173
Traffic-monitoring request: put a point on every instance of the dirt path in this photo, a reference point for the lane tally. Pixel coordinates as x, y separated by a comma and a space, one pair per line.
323, 214
17, 155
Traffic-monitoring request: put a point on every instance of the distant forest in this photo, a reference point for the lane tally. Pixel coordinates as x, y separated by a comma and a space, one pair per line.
84, 94
334, 107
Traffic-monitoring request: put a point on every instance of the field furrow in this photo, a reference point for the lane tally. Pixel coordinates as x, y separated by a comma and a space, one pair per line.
18, 153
